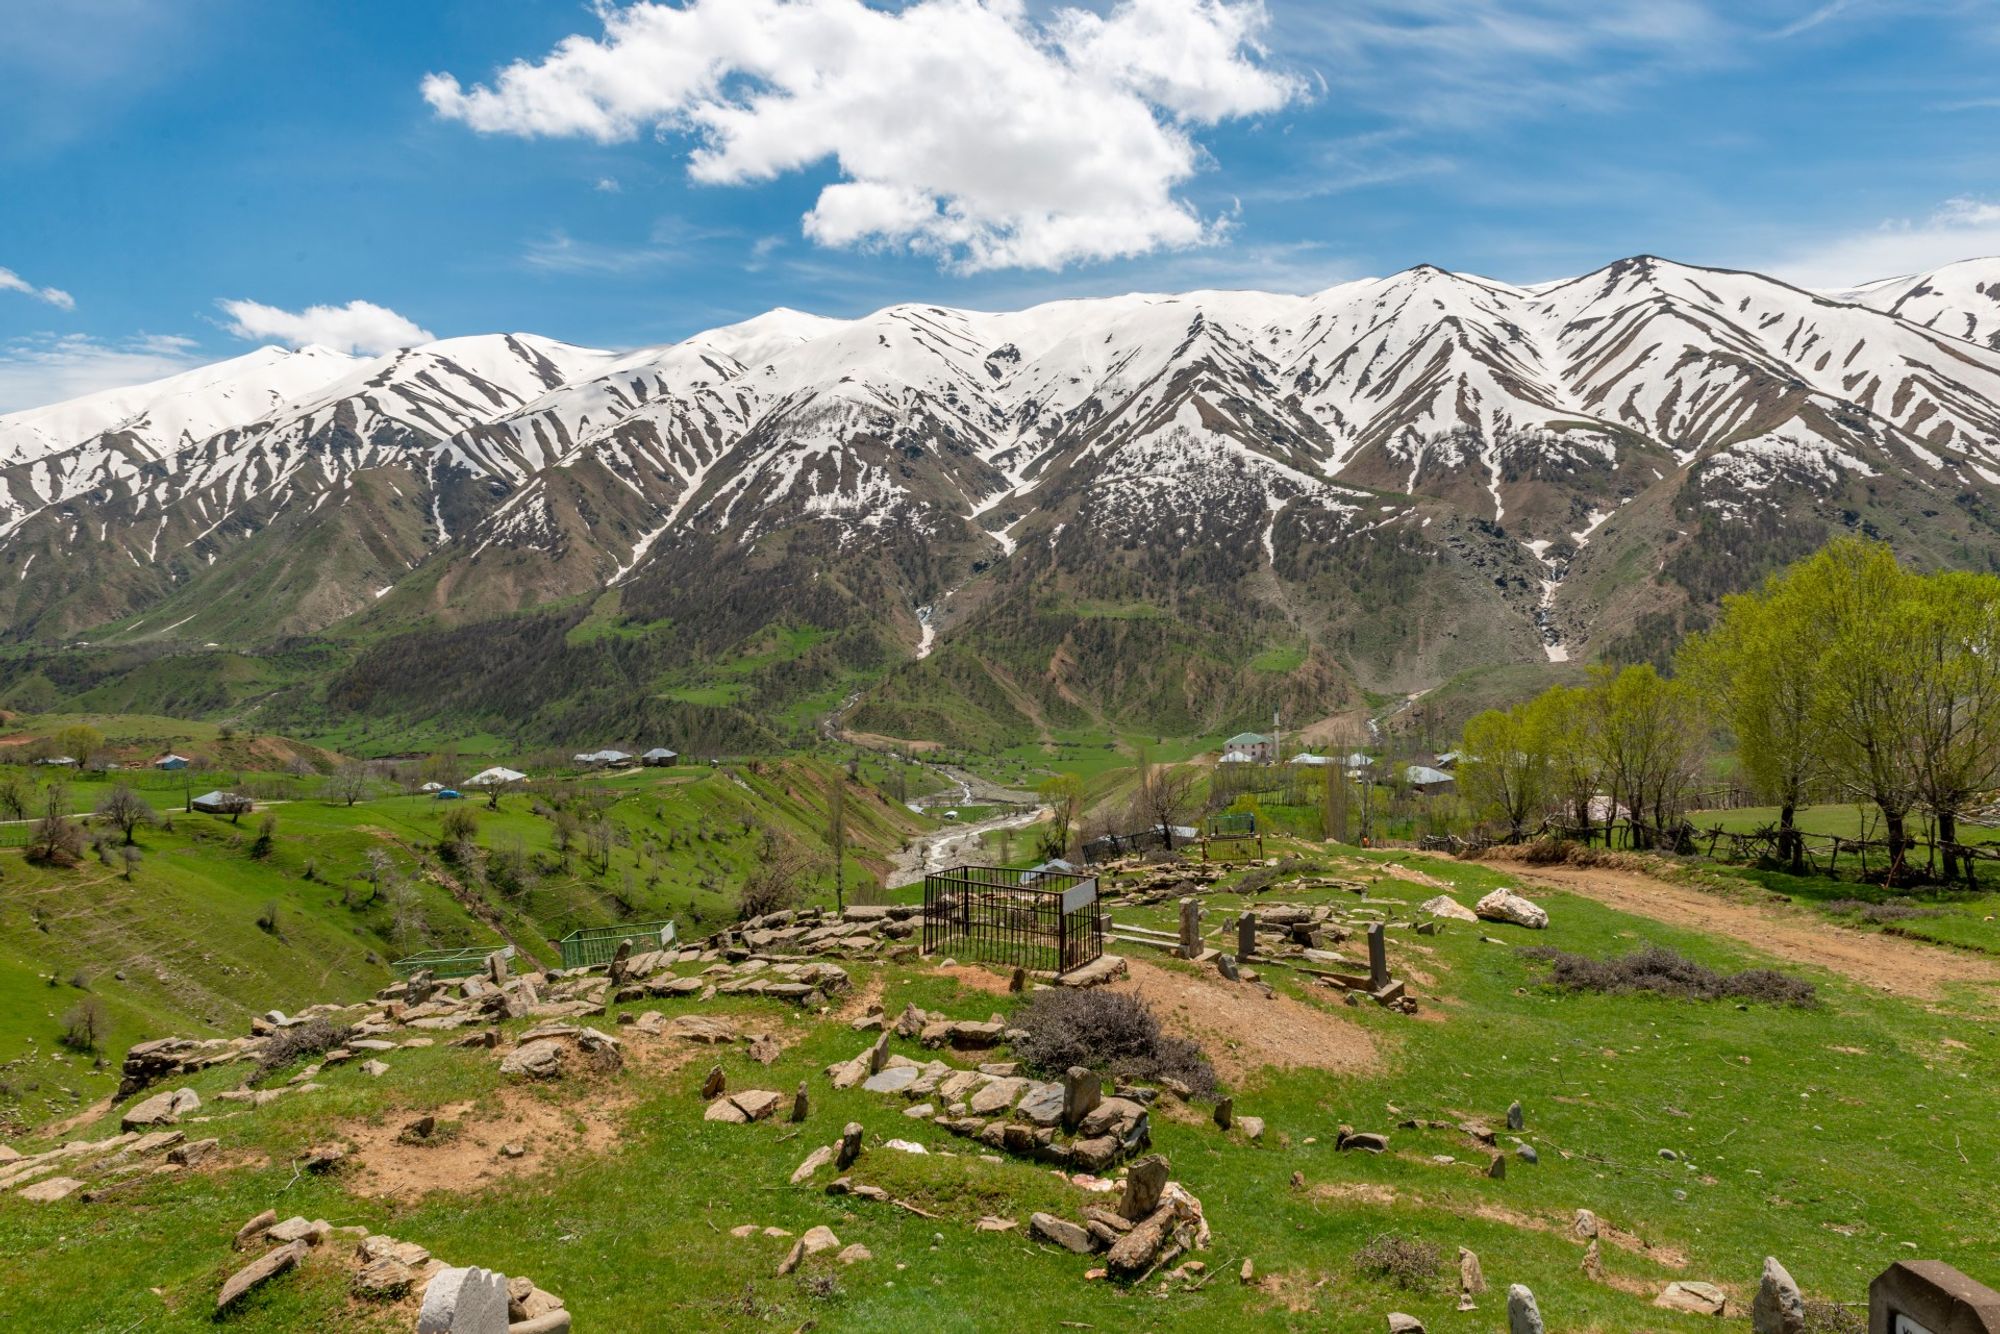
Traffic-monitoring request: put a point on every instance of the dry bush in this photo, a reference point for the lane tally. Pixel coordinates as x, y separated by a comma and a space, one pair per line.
1106, 1030
1879, 913
1410, 1264
1823, 1317
1663, 972
287, 1045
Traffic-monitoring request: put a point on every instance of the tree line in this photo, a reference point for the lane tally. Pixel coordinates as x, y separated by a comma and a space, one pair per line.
1845, 676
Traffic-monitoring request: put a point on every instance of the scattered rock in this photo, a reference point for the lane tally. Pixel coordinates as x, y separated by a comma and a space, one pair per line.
815, 1160
1364, 1141
192, 1153
50, 1190
1504, 905
323, 1158
714, 1083
854, 1254
418, 1131
764, 1049
384, 1279
1251, 1126
1144, 1184
1471, 1279
1516, 1118
1225, 1113
1593, 1262
540, 1059
1497, 1167
1404, 1324
260, 1271
255, 1228
1062, 1232
374, 1069
1696, 1298
1585, 1226
1446, 906
1779, 1307
162, 1109
801, 1103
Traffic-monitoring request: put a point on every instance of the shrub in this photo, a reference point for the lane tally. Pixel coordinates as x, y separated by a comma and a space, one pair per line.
287, 1045
267, 834
1410, 1264
1663, 972
1106, 1030
1878, 913
1824, 1317
85, 1025
267, 920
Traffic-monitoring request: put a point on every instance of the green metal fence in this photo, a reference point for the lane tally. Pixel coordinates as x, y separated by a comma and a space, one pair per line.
449, 963
596, 944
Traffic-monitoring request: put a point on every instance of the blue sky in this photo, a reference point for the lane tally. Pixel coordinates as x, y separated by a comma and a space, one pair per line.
159, 158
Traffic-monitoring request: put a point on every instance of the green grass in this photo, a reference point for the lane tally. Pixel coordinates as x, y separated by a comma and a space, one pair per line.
1839, 1138
1287, 658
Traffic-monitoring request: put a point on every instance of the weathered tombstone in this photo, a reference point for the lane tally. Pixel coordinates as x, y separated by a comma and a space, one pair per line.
1378, 958
1082, 1091
801, 1105
423, 985
1019, 981
464, 1301
1246, 937
496, 968
1523, 1315
1930, 1297
850, 1146
1190, 928
616, 973
1517, 1119
1779, 1308
713, 1085
1143, 1185
878, 1055
1225, 1112
1227, 967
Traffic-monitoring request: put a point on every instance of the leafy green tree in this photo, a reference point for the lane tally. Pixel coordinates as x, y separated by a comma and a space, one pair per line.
1505, 769
1063, 795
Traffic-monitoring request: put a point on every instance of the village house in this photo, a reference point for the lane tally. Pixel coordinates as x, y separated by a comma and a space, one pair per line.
172, 762
659, 757
1249, 748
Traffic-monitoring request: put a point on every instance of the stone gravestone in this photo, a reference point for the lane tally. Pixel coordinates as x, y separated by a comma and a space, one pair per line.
1929, 1297
1246, 937
1190, 928
464, 1301
1378, 958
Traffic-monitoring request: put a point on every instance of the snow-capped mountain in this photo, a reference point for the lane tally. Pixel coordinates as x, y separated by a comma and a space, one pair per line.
1522, 472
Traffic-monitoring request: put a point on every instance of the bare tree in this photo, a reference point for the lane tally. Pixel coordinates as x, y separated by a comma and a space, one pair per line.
780, 878
56, 839
349, 784
127, 810
1166, 795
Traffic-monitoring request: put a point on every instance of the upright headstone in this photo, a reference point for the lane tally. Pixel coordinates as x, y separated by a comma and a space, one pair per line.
616, 973
1378, 958
1932, 1296
1523, 1315
1779, 1307
1246, 937
1144, 1184
1082, 1091
1190, 927
1225, 1112
464, 1301
850, 1146
496, 968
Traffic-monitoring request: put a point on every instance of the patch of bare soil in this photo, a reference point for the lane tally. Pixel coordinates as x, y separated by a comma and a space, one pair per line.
466, 1154
1886, 963
974, 978
1243, 1030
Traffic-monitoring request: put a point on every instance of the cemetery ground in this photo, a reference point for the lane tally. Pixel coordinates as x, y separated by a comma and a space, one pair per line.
1704, 1135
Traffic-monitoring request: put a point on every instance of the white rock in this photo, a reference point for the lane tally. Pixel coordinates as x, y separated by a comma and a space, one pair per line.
1504, 905
464, 1301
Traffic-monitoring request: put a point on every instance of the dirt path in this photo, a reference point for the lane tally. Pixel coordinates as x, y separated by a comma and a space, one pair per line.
1886, 963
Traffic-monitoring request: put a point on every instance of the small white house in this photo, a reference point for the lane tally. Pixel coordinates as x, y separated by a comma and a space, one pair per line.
659, 757
1310, 760
601, 759
1427, 780
172, 761
498, 774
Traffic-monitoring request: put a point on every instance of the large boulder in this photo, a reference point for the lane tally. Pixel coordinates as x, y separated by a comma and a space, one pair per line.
1444, 905
540, 1059
1504, 905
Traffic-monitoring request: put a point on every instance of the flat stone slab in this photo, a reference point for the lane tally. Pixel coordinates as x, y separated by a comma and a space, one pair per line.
893, 1080
260, 1271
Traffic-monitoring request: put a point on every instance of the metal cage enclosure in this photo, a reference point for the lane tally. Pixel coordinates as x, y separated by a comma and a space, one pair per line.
1042, 920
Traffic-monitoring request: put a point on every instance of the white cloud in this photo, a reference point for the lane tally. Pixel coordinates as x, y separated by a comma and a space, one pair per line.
961, 128
1958, 229
11, 281
608, 185
358, 326
46, 368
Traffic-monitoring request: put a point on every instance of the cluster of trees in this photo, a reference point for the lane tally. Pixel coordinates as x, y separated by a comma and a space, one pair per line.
1844, 676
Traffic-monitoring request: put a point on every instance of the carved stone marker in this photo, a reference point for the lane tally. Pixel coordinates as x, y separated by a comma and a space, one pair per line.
1930, 1297
1378, 958
1190, 928
1246, 937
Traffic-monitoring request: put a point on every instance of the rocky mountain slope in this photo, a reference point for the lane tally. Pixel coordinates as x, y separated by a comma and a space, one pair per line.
1084, 510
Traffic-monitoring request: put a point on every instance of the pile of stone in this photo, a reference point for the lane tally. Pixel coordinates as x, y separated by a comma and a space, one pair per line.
1156, 1221
549, 1051
1068, 1123
384, 1269
857, 932
99, 1167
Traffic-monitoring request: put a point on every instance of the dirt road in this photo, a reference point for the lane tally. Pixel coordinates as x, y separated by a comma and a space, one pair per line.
1886, 963
954, 844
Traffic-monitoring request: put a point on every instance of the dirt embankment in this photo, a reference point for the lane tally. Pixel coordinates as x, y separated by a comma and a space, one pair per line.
1243, 1030
1887, 963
